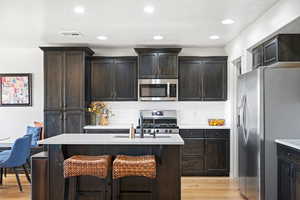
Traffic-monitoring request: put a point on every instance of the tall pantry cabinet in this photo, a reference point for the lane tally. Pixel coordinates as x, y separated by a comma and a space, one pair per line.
66, 92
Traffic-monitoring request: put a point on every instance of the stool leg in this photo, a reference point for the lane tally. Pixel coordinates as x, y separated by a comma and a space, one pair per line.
154, 189
67, 183
76, 188
1, 176
115, 189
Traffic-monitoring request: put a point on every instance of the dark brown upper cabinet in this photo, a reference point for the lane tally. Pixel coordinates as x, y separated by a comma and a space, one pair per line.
202, 78
114, 79
257, 57
65, 70
158, 63
281, 48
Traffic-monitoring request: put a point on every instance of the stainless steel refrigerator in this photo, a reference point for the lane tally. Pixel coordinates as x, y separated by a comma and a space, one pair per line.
268, 108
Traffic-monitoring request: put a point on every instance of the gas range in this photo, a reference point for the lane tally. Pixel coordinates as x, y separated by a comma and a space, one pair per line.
158, 122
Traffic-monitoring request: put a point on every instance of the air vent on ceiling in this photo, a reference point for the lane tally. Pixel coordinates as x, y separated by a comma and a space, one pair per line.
71, 33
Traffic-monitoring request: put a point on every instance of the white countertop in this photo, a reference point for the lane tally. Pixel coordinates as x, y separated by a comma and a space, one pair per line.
113, 139
294, 143
181, 126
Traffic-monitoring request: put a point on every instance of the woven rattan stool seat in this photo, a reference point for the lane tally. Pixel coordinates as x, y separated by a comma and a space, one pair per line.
81, 165
134, 166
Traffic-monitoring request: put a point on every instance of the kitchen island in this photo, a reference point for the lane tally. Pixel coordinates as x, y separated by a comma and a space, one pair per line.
166, 148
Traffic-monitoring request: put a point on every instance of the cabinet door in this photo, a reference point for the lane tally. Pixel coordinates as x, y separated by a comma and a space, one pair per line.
295, 193
53, 76
190, 80
193, 166
74, 80
284, 180
193, 147
73, 121
257, 57
215, 81
217, 156
125, 79
270, 52
148, 65
102, 79
168, 67
53, 123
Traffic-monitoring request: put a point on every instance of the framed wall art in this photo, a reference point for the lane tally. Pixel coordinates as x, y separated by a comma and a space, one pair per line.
16, 89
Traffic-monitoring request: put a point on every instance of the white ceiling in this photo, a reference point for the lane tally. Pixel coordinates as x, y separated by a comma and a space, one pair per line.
181, 22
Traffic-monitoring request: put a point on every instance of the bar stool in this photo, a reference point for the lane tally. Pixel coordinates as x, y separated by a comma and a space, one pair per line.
81, 165
125, 166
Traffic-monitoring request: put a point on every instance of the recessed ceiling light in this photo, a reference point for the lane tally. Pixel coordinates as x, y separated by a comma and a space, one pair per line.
79, 9
227, 21
158, 37
214, 37
102, 37
149, 9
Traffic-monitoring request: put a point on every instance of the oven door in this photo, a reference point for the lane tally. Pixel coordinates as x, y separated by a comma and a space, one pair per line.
155, 90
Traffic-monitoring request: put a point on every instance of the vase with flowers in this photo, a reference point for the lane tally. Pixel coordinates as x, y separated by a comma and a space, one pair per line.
100, 113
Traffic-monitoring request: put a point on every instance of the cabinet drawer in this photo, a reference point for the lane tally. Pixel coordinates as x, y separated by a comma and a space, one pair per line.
192, 133
193, 166
193, 146
217, 133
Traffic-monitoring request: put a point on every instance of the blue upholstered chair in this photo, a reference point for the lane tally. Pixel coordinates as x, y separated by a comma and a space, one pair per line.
35, 132
17, 157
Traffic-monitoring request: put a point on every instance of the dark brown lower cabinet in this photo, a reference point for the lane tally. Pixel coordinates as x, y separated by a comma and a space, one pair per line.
39, 174
288, 173
167, 183
193, 166
217, 156
205, 152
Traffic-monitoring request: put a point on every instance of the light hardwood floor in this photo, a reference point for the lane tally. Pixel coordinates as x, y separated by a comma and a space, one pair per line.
193, 188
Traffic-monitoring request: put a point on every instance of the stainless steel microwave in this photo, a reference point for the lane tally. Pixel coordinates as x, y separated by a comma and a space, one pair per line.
158, 89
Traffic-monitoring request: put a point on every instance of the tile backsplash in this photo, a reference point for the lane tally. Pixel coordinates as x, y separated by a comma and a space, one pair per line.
188, 112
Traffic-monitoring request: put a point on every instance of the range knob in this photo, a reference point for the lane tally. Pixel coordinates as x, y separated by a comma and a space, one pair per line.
156, 130
166, 131
170, 130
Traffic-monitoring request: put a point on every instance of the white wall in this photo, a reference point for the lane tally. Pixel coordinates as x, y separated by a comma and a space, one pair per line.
13, 120
281, 14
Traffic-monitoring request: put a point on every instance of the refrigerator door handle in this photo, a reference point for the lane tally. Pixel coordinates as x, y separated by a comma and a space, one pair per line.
243, 120
239, 109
